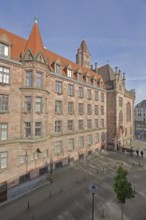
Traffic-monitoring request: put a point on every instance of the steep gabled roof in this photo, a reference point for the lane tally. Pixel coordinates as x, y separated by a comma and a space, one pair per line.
141, 104
35, 45
17, 44
107, 73
34, 42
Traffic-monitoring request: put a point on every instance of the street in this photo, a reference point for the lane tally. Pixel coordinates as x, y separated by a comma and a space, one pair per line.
69, 198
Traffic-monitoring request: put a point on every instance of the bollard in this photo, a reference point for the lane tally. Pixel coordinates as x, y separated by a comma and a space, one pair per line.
28, 206
97, 171
50, 195
139, 163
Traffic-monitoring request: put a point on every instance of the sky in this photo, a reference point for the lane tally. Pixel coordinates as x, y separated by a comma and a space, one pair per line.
114, 30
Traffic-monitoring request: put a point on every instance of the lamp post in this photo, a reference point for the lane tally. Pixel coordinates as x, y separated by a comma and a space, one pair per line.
93, 189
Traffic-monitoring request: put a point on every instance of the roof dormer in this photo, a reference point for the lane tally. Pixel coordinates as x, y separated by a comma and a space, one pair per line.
5, 46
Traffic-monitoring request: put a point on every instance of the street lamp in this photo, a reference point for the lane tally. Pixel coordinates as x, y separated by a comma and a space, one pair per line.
93, 189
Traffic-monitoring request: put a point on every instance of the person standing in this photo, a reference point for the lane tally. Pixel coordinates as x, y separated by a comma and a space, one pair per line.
141, 153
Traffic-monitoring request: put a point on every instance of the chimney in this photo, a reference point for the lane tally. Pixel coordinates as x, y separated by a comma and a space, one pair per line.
96, 67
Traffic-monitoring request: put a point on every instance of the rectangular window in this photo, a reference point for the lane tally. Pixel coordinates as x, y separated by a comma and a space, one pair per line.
3, 131
102, 97
96, 109
29, 78
58, 148
22, 159
27, 129
4, 49
96, 95
70, 107
96, 138
4, 99
102, 110
58, 69
58, 107
89, 123
102, 123
69, 73
58, 126
38, 79
96, 123
70, 90
58, 87
70, 144
38, 104
89, 111
3, 160
4, 75
38, 129
81, 142
81, 110
70, 125
80, 92
88, 94
27, 103
80, 124
89, 139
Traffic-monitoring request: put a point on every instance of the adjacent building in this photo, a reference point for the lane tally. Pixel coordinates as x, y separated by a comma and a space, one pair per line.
54, 111
140, 115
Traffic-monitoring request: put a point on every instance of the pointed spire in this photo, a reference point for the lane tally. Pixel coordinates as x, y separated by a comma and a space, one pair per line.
34, 43
83, 56
83, 46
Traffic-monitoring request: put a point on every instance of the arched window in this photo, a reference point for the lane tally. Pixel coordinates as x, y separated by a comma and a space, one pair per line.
128, 112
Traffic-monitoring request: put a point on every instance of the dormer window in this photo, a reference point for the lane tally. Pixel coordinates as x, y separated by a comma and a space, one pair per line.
79, 77
87, 79
58, 69
69, 73
94, 82
4, 49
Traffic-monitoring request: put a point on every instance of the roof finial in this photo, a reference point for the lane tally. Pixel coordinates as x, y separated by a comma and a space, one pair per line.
36, 19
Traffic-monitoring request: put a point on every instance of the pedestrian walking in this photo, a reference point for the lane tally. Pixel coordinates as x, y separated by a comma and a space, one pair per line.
141, 153
137, 152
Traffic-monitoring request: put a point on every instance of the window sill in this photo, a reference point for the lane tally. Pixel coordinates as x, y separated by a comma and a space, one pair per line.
4, 112
4, 84
26, 112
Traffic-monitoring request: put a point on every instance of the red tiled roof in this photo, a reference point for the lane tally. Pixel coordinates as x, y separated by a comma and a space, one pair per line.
35, 44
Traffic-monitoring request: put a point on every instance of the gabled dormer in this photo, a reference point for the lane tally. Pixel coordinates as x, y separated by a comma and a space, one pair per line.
69, 71
57, 67
5, 46
34, 49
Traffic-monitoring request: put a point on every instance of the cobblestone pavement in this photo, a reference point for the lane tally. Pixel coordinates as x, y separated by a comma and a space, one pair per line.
69, 198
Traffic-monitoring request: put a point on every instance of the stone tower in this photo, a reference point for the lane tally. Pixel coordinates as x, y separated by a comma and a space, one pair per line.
83, 56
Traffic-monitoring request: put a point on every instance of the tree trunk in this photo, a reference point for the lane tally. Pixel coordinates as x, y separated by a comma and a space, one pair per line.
122, 212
